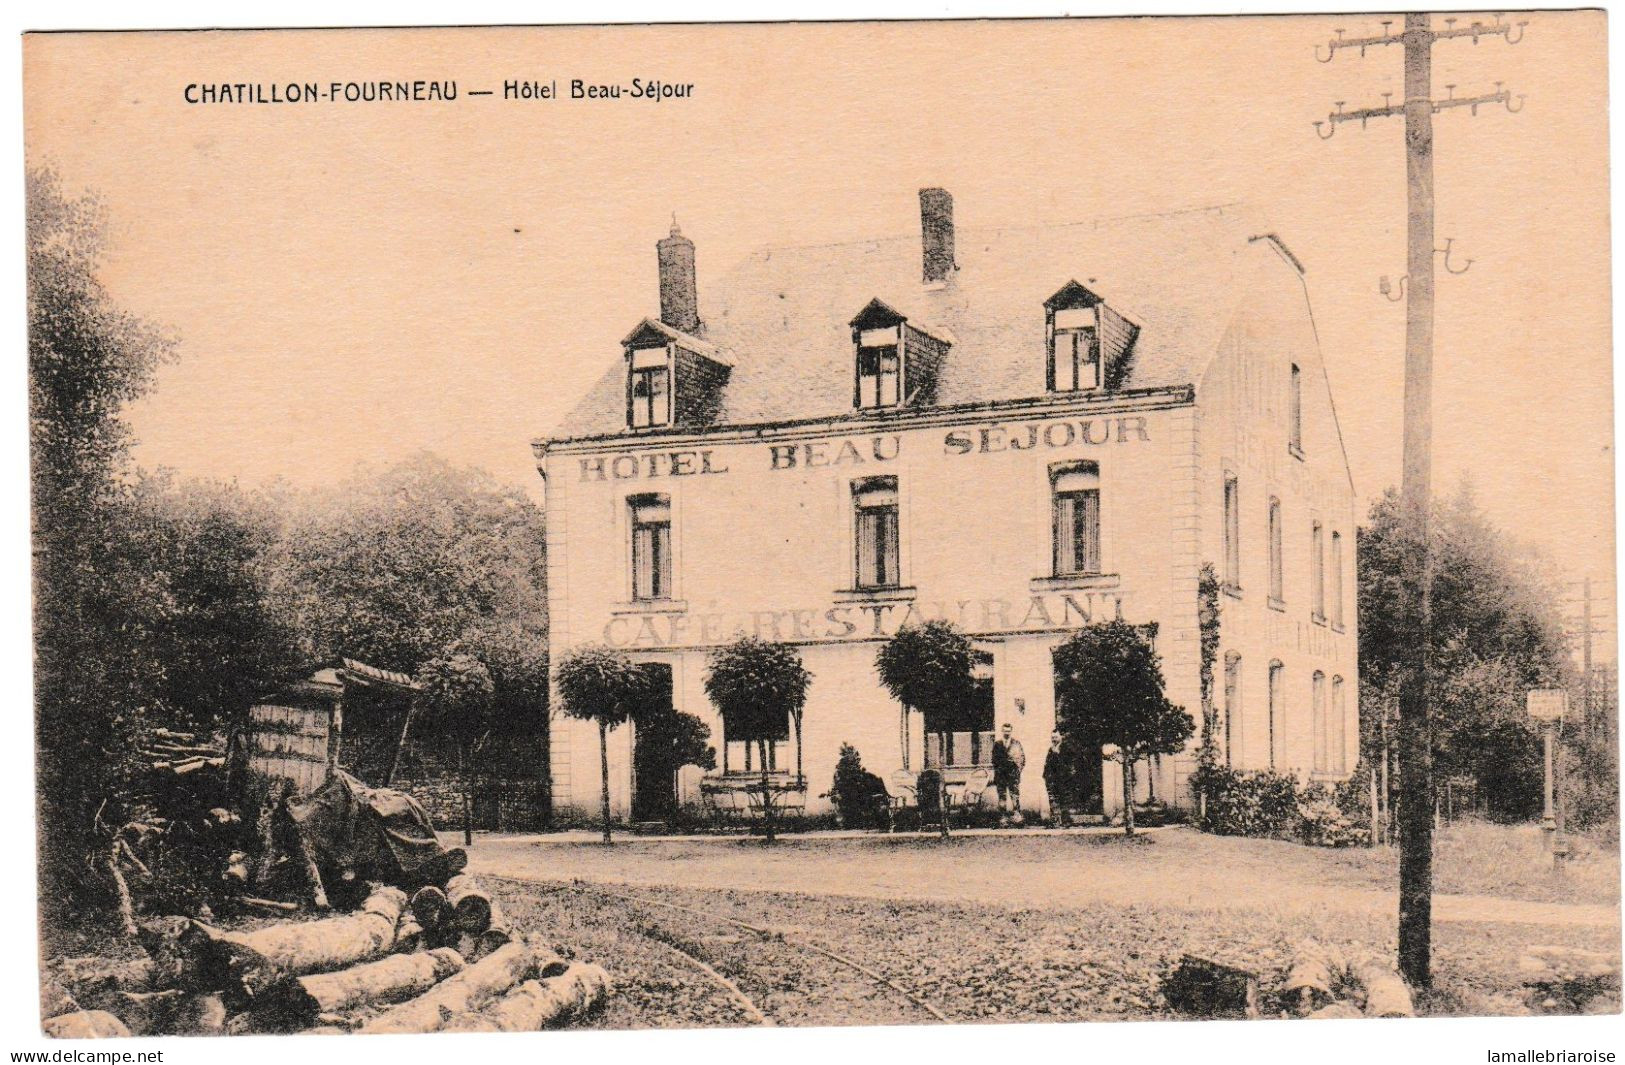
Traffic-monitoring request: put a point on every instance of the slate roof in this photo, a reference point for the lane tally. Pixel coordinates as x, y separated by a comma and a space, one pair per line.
781, 317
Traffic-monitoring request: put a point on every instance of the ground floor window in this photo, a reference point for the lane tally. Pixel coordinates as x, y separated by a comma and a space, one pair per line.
742, 753
1232, 707
745, 756
964, 736
1275, 706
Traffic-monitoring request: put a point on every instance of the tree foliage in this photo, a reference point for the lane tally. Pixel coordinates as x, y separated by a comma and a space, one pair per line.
395, 565
601, 684
1108, 676
928, 667
679, 738
93, 659
1495, 634
758, 686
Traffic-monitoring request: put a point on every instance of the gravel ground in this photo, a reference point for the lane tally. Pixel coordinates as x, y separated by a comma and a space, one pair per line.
972, 962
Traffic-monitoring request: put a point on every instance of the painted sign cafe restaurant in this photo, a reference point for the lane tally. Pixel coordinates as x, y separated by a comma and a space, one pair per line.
1019, 430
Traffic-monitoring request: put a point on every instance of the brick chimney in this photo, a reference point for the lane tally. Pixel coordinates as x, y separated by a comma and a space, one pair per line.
937, 234
679, 299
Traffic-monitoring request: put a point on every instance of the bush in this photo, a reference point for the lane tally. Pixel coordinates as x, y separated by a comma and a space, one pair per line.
1323, 821
859, 796
1239, 803
1272, 805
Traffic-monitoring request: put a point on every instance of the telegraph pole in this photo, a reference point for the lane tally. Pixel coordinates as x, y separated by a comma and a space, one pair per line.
1415, 728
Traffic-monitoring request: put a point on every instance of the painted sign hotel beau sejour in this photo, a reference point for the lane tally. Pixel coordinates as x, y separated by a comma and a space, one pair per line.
1020, 431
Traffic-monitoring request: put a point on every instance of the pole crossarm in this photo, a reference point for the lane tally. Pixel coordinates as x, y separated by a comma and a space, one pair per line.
1474, 29
1388, 110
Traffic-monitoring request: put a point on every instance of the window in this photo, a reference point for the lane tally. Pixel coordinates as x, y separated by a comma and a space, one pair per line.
651, 547
1232, 707
1074, 350
1232, 534
1336, 730
1277, 596
743, 754
964, 736
1076, 492
1072, 324
875, 516
1317, 573
1276, 669
1319, 727
1337, 579
1295, 412
649, 388
879, 367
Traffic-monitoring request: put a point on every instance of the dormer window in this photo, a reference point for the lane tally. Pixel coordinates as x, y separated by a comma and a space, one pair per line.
1088, 343
895, 360
648, 391
672, 378
880, 367
1075, 347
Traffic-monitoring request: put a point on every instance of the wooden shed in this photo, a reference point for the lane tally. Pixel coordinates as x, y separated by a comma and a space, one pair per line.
300, 733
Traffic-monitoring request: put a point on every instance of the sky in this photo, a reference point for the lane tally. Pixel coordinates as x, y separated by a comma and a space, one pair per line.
351, 283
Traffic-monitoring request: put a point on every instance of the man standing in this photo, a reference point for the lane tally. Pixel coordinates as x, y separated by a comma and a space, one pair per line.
1008, 762
1058, 781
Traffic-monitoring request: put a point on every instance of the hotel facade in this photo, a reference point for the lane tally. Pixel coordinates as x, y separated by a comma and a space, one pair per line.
1021, 431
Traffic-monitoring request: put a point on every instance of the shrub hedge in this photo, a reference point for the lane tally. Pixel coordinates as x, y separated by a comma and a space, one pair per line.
1270, 805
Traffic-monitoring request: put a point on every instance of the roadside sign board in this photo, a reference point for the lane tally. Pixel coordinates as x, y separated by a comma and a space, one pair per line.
1548, 704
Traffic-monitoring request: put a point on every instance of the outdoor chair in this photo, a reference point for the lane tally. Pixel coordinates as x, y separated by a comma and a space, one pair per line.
974, 788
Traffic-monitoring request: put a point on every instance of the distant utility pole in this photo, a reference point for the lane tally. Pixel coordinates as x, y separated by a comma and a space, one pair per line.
1415, 731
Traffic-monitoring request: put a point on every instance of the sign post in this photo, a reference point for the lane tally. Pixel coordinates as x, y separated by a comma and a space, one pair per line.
1547, 706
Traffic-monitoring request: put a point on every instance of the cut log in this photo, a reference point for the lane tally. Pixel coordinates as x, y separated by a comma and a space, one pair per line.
538, 1004
500, 932
256, 961
408, 935
200, 1015
470, 989
431, 910
470, 904
390, 980
1309, 983
86, 1024
1385, 993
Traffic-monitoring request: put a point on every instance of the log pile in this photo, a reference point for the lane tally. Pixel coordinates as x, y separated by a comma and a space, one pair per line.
1328, 983
378, 969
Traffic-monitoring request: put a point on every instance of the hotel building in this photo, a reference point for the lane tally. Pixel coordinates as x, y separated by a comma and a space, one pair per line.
1021, 430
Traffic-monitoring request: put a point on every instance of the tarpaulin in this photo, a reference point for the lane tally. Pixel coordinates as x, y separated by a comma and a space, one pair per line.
379, 833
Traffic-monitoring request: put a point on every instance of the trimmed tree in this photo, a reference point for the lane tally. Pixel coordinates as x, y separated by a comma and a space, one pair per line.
1110, 677
600, 684
756, 685
928, 667
458, 690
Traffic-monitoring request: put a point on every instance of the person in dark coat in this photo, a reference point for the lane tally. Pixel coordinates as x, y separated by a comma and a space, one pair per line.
1060, 780
1008, 762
